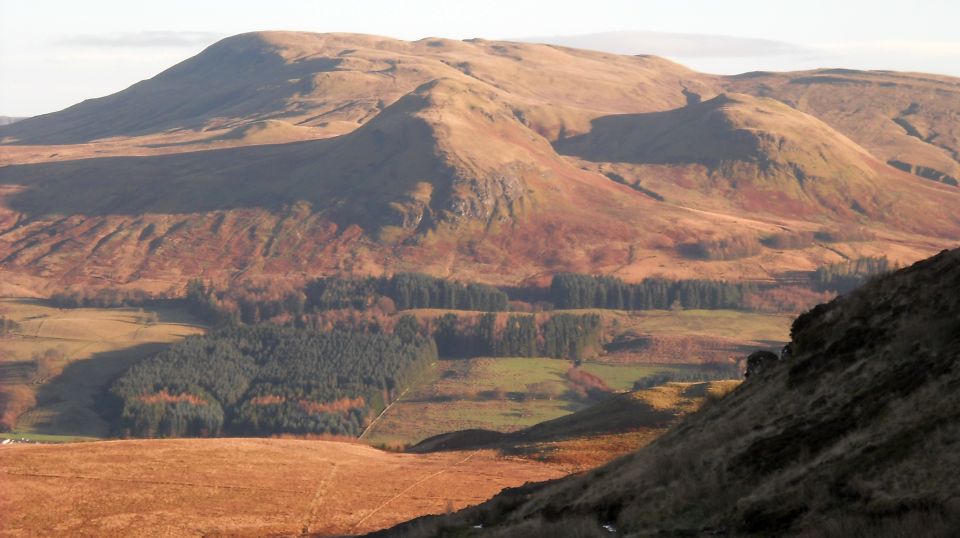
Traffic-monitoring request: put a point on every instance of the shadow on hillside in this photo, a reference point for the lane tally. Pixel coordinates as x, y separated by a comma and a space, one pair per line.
191, 182
220, 82
699, 133
67, 405
356, 178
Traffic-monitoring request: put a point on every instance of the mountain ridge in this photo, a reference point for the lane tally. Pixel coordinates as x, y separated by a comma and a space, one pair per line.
296, 154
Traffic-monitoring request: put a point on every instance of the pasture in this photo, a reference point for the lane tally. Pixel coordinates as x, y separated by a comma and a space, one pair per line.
53, 366
501, 394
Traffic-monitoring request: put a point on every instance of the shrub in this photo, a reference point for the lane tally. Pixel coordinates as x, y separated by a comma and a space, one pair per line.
729, 248
844, 235
788, 240
8, 326
759, 361
845, 276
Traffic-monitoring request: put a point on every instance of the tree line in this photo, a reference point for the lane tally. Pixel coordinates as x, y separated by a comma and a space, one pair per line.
847, 275
571, 290
252, 304
691, 374
8, 326
266, 379
567, 336
101, 298
406, 291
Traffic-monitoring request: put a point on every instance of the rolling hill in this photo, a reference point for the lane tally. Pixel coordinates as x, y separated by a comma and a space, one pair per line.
593, 436
285, 155
907, 119
238, 487
853, 433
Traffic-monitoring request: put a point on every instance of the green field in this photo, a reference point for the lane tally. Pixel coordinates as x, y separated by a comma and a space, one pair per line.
94, 345
489, 393
622, 377
44, 438
725, 324
86, 349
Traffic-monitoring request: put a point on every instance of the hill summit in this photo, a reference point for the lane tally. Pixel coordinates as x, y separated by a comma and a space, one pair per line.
287, 155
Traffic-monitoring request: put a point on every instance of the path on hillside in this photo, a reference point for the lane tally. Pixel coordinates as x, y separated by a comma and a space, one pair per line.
318, 497
409, 488
384, 412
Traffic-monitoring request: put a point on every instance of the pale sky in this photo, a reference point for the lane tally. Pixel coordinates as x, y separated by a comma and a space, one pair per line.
56, 53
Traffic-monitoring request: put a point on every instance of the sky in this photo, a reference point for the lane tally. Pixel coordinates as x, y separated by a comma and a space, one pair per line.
57, 53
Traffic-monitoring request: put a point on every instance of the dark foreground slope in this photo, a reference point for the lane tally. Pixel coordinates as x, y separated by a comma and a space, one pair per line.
856, 434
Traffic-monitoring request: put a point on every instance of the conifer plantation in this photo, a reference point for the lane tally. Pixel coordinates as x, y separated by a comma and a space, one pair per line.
263, 380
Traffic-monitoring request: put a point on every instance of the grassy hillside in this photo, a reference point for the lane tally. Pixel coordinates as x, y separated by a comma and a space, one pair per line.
238, 487
596, 434
284, 155
852, 435
501, 394
906, 118
53, 366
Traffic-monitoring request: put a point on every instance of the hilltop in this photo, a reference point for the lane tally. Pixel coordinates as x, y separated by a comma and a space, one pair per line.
286, 155
851, 434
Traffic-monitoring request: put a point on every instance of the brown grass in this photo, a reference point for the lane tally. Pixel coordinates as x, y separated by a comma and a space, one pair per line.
467, 109
239, 487
66, 356
14, 401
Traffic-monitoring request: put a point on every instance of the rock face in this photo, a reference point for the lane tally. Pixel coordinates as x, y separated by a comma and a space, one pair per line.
854, 435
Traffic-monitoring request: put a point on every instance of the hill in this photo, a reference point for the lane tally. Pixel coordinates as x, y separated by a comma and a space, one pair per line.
55, 362
285, 155
590, 437
324, 79
761, 155
851, 434
905, 119
238, 487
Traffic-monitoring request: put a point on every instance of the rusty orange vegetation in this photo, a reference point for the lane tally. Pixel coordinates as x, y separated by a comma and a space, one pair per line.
165, 397
270, 399
342, 405
239, 487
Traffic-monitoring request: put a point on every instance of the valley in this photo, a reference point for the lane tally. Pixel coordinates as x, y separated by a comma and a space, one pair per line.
305, 284
286, 485
482, 161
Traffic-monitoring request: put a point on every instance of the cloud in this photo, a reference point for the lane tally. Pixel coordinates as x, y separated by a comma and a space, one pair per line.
141, 40
674, 45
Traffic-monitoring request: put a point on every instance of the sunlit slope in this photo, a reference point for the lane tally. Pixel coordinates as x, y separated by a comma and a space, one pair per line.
286, 155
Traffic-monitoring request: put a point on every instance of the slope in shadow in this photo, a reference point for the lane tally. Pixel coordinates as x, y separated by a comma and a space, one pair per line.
852, 434
700, 133
226, 80
181, 183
